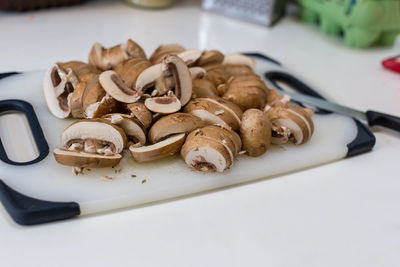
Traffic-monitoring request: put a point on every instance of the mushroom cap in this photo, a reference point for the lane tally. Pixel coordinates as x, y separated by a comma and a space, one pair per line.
239, 59
296, 119
114, 86
142, 113
85, 160
182, 77
166, 104
132, 128
98, 129
203, 88
216, 74
255, 132
225, 135
216, 110
134, 50
130, 70
173, 124
159, 150
210, 57
246, 97
163, 50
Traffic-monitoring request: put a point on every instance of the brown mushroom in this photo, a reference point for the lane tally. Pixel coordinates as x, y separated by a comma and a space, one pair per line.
164, 50
159, 150
246, 91
290, 124
215, 110
173, 124
108, 58
182, 77
211, 149
203, 88
98, 137
115, 86
238, 64
255, 132
210, 57
132, 127
141, 113
129, 70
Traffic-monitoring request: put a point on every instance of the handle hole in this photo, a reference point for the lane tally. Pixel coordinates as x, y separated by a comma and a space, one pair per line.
16, 137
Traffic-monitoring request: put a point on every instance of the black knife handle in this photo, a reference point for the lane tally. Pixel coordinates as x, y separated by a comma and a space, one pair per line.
382, 119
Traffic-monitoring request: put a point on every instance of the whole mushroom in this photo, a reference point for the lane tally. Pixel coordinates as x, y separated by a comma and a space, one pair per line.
255, 132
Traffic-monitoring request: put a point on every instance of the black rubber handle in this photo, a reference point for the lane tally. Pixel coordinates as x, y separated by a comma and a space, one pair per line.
376, 118
27, 109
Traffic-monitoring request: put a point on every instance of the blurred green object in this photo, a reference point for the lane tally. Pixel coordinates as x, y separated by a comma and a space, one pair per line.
363, 22
151, 3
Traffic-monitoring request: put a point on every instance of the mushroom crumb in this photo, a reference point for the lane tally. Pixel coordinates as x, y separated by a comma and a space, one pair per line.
242, 152
133, 175
218, 112
107, 178
77, 170
144, 181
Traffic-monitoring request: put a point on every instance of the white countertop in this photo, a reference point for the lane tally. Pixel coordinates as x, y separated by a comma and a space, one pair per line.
341, 214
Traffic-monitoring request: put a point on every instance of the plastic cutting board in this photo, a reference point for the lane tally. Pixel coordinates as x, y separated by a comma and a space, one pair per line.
46, 191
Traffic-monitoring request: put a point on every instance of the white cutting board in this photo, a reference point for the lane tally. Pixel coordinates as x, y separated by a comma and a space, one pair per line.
158, 180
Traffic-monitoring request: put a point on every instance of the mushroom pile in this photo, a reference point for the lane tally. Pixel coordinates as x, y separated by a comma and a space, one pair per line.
205, 105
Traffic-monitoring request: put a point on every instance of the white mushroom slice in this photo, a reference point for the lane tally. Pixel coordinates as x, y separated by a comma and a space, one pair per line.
132, 128
158, 150
239, 59
173, 124
183, 79
58, 85
105, 106
93, 131
114, 86
197, 72
85, 160
190, 56
163, 104
148, 77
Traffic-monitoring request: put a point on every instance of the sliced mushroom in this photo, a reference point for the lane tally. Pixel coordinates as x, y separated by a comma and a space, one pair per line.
130, 70
106, 59
216, 74
246, 91
158, 150
210, 57
203, 88
141, 113
276, 100
215, 110
132, 127
166, 104
210, 148
148, 77
164, 50
197, 72
190, 56
91, 143
106, 105
85, 160
182, 77
255, 132
290, 123
239, 59
58, 86
116, 87
173, 124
